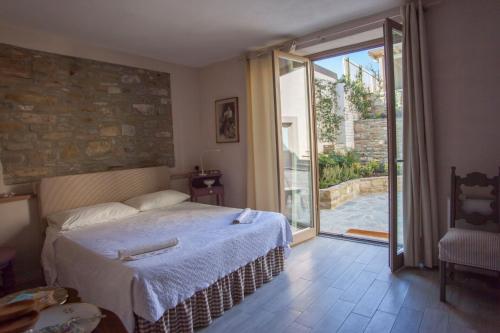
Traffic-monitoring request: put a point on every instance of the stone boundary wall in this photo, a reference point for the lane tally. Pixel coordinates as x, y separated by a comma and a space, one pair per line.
370, 139
334, 196
64, 115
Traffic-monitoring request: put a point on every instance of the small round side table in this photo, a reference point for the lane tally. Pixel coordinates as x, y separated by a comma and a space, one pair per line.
7, 256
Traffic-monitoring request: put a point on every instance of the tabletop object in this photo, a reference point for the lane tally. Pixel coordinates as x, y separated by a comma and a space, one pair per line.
109, 324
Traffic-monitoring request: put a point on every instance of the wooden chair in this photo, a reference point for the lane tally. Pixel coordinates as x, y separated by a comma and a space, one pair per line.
469, 247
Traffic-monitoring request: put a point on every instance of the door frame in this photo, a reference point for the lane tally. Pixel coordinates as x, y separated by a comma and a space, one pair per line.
396, 258
308, 233
369, 44
362, 46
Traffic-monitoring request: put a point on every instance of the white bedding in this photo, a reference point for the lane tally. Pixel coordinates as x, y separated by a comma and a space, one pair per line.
210, 247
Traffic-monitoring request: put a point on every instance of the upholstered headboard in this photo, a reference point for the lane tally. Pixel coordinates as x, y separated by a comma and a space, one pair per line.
67, 192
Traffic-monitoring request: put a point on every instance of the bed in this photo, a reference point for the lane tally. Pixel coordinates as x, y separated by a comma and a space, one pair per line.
215, 264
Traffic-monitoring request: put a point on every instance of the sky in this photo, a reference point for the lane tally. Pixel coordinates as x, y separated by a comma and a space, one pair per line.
361, 58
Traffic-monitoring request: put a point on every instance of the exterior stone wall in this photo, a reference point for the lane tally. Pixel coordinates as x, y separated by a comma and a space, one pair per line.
370, 139
64, 115
332, 197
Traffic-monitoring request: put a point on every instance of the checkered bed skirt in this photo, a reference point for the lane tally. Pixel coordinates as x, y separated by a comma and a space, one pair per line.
205, 305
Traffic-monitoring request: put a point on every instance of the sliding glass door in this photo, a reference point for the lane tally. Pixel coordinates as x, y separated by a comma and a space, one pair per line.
294, 116
394, 93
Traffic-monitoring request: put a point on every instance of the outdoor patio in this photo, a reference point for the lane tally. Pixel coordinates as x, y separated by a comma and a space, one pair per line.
367, 212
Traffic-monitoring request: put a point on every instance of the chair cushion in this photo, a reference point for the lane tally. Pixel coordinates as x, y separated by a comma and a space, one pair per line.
471, 247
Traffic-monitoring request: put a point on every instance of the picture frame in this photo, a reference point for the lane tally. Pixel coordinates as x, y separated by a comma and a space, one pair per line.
227, 120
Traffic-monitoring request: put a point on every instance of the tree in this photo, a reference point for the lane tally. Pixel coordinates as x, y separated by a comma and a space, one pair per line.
359, 96
326, 103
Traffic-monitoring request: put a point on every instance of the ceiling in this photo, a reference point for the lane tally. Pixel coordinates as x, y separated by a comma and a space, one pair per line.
188, 32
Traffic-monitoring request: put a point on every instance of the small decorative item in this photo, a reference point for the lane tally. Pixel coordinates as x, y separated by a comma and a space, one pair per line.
73, 318
43, 296
209, 182
227, 120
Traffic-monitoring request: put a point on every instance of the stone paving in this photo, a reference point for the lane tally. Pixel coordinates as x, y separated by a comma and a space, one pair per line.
367, 212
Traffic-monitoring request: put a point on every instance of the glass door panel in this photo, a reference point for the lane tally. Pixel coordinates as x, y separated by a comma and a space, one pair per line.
294, 119
394, 87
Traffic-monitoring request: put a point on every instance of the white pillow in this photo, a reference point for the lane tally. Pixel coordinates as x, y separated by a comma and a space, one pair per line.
85, 216
155, 200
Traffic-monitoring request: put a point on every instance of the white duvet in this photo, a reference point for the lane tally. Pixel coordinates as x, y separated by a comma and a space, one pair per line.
210, 247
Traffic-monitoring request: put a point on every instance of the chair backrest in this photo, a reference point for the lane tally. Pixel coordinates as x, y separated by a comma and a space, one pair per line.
467, 207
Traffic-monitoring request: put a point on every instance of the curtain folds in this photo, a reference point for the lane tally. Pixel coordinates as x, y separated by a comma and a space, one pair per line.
420, 205
262, 165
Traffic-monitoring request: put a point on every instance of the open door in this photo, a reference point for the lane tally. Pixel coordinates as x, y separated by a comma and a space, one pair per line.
295, 138
393, 36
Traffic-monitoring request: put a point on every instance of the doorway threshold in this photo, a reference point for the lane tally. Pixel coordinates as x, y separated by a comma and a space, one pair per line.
353, 239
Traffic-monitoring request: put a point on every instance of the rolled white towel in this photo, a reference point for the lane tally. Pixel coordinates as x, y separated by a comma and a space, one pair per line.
245, 217
139, 252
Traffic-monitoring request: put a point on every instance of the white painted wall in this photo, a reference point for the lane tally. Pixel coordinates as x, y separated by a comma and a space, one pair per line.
464, 53
217, 81
294, 103
19, 224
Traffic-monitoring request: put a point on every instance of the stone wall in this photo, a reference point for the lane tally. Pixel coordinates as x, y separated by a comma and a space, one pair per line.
64, 115
332, 197
370, 139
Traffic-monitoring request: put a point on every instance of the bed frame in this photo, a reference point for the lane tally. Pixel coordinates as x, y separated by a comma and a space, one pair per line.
66, 192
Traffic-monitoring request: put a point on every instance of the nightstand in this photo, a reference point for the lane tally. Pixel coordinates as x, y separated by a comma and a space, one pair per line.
198, 188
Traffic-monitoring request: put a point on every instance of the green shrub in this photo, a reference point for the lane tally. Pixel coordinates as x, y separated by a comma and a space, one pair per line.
336, 168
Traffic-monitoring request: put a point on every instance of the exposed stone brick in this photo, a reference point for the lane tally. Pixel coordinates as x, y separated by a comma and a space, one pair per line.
96, 148
79, 116
159, 91
40, 157
26, 107
164, 134
19, 146
144, 109
370, 139
110, 131
128, 130
57, 136
9, 66
31, 99
33, 118
70, 151
30, 172
12, 157
114, 90
22, 136
10, 126
151, 123
131, 79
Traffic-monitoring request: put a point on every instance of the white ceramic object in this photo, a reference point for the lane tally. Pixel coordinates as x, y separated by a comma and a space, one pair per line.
61, 314
209, 182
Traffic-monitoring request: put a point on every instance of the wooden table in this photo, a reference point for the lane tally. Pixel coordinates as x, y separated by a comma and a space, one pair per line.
198, 188
110, 324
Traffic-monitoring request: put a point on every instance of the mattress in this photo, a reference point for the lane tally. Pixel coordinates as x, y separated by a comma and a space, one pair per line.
210, 247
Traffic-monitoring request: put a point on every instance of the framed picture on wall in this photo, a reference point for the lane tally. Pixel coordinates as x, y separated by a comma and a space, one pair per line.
227, 120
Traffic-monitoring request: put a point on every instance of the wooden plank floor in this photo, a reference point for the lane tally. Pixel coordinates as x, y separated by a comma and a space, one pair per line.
332, 285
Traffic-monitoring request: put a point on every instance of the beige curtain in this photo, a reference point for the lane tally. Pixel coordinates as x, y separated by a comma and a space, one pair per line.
262, 174
421, 231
